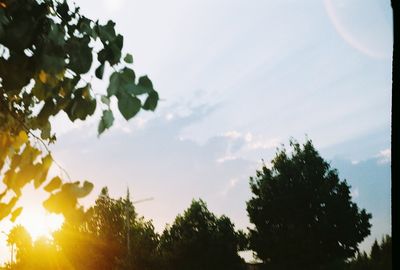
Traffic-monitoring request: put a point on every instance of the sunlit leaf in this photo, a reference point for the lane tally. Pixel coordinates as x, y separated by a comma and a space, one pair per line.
6, 208
21, 139
60, 203
42, 173
76, 190
54, 184
15, 214
42, 76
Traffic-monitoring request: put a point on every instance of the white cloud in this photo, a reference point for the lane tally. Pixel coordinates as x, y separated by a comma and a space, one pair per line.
169, 116
264, 143
248, 137
384, 156
253, 141
226, 158
232, 134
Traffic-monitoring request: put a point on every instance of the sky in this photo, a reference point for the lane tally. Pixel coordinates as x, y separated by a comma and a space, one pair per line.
237, 79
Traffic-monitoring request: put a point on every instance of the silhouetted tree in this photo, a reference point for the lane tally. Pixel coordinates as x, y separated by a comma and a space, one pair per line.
302, 213
19, 238
200, 240
380, 257
100, 241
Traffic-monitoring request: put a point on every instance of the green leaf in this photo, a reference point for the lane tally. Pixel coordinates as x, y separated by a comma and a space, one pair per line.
53, 63
56, 34
151, 101
3, 17
49, 108
84, 25
62, 9
100, 71
121, 82
128, 58
39, 90
106, 32
19, 32
105, 100
82, 105
128, 105
111, 51
80, 54
45, 132
106, 121
144, 86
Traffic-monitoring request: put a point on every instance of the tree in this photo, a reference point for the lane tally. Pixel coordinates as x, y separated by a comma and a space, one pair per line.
380, 257
21, 239
47, 54
302, 212
200, 240
381, 254
100, 240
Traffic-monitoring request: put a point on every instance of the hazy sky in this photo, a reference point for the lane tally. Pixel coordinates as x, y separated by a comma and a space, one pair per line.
237, 78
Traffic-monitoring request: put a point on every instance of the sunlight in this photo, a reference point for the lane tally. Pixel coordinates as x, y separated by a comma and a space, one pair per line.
39, 222
34, 216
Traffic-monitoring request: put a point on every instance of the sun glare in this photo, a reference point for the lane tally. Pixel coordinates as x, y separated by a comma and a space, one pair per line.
34, 216
38, 222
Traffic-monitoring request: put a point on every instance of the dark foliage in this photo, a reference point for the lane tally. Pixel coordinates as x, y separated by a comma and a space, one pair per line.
199, 240
380, 257
303, 214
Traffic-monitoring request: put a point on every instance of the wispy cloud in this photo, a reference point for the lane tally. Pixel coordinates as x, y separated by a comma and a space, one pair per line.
226, 158
253, 141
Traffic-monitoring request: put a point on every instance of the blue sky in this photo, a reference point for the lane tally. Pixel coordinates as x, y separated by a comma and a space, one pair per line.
237, 79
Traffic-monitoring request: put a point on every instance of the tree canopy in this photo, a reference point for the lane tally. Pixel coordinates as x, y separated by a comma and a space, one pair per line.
380, 257
110, 236
49, 53
200, 240
302, 212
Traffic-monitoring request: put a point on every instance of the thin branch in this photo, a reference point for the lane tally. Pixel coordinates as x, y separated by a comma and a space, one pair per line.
41, 141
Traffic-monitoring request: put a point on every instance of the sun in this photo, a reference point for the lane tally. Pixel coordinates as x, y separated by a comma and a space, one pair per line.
39, 222
34, 216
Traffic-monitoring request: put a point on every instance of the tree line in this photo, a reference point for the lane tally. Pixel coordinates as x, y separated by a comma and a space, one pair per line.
301, 213
302, 217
